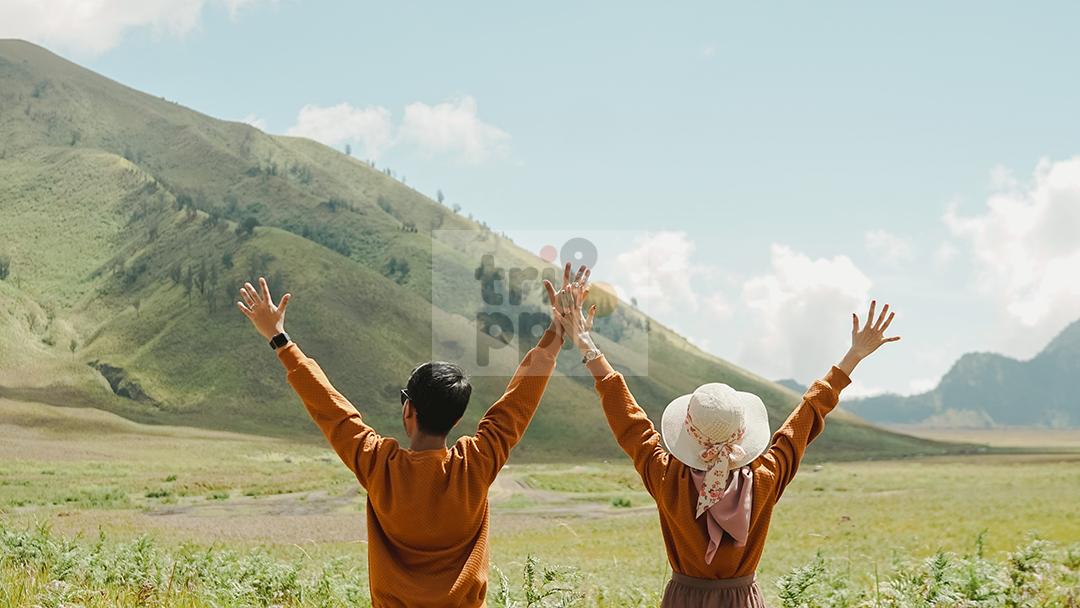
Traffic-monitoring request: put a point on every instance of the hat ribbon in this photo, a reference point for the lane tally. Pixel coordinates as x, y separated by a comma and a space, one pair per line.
719, 458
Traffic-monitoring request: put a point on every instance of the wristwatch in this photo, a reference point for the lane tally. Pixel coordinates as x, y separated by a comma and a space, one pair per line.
279, 340
591, 355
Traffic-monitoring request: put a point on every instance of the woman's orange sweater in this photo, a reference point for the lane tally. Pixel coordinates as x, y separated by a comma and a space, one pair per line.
670, 484
427, 511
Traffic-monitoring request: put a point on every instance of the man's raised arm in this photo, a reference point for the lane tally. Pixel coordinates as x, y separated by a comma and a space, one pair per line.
505, 422
357, 444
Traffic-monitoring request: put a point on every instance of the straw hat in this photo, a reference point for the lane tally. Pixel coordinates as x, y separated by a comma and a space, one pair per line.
716, 429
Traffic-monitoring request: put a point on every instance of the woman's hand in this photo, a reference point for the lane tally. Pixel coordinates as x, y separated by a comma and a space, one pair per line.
868, 338
563, 299
259, 308
568, 309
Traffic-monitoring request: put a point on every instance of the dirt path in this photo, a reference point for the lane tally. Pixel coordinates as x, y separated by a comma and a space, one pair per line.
310, 517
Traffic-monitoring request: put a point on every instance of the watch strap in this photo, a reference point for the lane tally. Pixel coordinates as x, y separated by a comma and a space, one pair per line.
279, 340
591, 355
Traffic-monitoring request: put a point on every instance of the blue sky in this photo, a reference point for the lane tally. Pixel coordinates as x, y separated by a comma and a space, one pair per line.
777, 163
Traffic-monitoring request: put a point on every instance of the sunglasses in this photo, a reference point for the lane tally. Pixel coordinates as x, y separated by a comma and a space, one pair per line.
404, 396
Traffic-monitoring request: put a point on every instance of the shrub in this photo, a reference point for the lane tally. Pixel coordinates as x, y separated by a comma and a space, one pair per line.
50, 571
247, 226
38, 568
1037, 575
541, 587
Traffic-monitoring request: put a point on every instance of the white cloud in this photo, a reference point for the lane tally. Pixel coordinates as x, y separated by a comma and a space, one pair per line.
892, 249
235, 6
95, 26
945, 254
1026, 245
254, 121
453, 128
658, 272
801, 313
860, 390
717, 304
371, 128
1002, 178
917, 386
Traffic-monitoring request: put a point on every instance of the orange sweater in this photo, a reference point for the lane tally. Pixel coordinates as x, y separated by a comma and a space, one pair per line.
427, 511
670, 484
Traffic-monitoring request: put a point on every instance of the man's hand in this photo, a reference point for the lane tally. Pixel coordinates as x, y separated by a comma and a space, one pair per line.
563, 298
868, 338
568, 309
259, 308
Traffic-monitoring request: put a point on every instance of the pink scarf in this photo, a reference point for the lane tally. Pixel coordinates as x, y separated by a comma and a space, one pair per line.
731, 512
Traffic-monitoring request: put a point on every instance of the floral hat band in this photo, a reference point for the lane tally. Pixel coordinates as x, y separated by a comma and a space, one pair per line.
720, 457
715, 430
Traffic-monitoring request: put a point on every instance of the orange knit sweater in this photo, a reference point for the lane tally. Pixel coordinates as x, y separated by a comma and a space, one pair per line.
427, 511
670, 484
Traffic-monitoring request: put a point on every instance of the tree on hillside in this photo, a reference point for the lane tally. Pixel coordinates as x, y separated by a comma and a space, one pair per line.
200, 278
439, 196
397, 270
259, 264
213, 218
456, 208
5, 267
247, 227
72, 346
211, 294
232, 205
348, 150
189, 280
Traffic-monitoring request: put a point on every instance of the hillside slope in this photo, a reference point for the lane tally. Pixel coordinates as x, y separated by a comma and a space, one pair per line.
987, 389
130, 221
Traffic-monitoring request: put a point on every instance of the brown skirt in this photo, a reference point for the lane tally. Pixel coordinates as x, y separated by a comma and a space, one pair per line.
689, 592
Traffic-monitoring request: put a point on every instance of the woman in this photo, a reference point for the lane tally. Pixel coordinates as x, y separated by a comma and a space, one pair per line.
712, 469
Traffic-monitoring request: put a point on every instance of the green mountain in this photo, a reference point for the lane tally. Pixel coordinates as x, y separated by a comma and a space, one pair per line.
987, 389
792, 385
128, 223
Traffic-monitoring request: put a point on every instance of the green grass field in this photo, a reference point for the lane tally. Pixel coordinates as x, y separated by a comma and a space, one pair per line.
285, 511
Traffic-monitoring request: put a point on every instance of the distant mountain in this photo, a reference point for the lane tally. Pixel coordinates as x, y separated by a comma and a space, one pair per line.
986, 389
793, 385
129, 222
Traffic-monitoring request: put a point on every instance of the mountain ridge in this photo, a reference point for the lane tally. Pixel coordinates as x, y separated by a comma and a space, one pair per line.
131, 220
984, 389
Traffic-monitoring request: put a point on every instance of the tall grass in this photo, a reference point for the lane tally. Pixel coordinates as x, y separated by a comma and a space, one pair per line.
1037, 575
40, 568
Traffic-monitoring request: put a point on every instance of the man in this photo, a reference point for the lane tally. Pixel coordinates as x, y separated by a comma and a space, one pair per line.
427, 505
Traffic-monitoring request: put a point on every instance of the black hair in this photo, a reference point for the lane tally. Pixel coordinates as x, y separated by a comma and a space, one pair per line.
439, 392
